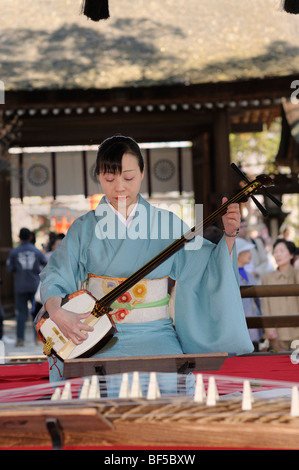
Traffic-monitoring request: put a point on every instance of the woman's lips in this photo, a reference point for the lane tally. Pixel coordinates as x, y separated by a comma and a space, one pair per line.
121, 200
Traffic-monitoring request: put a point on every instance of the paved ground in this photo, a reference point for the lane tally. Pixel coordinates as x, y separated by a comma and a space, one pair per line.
30, 348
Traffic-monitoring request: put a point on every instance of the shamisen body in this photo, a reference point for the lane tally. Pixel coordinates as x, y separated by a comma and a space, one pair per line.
117, 239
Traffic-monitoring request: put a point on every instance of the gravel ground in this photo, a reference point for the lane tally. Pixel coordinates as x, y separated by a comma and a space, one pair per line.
30, 348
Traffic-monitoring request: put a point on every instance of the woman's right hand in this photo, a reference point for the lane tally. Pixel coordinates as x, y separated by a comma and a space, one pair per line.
70, 324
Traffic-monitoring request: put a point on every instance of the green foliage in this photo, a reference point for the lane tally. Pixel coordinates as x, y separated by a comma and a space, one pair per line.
256, 151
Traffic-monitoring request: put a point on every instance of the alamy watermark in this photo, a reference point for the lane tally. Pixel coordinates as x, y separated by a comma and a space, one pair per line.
150, 224
295, 354
2, 92
295, 94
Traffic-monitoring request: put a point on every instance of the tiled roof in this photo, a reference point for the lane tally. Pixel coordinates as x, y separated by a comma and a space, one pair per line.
49, 44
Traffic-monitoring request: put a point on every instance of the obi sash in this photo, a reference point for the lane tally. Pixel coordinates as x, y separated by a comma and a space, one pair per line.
145, 301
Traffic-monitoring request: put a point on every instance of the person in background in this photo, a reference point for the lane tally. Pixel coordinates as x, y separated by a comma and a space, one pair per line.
283, 252
259, 263
252, 306
25, 262
53, 244
37, 303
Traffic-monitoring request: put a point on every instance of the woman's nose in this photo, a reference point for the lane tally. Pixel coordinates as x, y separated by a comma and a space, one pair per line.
119, 185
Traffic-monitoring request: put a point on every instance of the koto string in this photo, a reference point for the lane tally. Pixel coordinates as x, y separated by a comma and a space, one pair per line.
169, 406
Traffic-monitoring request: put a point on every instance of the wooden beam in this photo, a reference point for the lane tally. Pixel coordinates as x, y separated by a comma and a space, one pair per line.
168, 363
273, 290
273, 321
274, 87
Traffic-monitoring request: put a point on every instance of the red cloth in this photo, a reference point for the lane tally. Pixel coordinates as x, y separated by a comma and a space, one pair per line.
13, 376
279, 367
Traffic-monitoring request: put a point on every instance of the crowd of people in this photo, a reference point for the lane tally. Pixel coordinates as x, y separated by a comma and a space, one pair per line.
259, 264
258, 267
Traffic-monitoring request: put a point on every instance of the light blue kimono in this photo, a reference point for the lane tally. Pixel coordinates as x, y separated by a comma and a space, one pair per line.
209, 315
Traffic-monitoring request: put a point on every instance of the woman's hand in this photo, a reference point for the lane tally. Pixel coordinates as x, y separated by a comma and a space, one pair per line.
232, 219
231, 222
69, 323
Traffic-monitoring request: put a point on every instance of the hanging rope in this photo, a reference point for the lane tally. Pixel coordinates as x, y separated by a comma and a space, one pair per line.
96, 10
291, 6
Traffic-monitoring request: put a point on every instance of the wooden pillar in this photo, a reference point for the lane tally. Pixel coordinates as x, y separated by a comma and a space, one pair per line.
7, 134
5, 223
221, 172
212, 174
201, 171
6, 288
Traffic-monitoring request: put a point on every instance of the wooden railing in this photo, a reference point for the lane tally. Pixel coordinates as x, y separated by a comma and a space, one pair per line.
273, 321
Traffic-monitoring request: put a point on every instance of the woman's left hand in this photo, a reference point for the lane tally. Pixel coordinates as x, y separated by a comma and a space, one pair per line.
231, 219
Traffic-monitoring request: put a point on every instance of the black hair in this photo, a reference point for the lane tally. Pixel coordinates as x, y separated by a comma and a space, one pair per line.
24, 234
53, 240
111, 151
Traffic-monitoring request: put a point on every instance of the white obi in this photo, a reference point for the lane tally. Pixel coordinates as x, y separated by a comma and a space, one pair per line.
145, 301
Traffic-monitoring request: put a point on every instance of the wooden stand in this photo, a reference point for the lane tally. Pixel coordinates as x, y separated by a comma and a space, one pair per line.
183, 363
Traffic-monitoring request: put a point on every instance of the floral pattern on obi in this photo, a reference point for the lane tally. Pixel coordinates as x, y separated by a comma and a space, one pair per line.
120, 314
145, 301
135, 295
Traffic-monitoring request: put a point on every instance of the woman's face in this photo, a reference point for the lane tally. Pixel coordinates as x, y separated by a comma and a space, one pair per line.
282, 255
122, 188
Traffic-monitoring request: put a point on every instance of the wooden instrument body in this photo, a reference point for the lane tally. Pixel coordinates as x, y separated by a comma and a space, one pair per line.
55, 342
175, 423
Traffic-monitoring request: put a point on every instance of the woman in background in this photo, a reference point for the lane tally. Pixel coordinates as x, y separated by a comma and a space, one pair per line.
283, 252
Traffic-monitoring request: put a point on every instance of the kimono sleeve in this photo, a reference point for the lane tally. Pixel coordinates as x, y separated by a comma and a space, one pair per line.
209, 315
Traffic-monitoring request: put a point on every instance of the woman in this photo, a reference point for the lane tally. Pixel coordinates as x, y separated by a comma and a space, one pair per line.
283, 252
123, 234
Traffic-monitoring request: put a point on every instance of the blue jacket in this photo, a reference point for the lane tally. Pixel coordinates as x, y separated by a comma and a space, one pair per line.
25, 262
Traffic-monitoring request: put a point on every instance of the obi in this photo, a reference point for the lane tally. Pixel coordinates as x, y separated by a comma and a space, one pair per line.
146, 301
